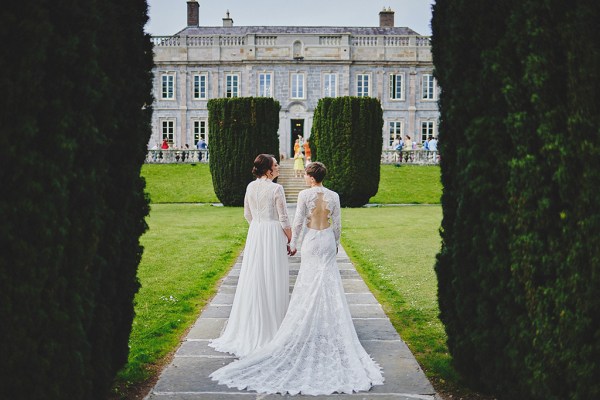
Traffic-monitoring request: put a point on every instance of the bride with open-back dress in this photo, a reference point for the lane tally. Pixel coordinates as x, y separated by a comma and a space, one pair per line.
316, 350
262, 294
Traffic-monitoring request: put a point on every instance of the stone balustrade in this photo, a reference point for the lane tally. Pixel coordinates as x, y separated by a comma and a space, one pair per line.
416, 157
174, 156
271, 40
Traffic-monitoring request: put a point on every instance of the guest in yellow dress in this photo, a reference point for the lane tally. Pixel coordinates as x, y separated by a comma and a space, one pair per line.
298, 164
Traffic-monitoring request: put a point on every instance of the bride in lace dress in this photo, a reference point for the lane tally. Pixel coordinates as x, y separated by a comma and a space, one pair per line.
262, 294
316, 350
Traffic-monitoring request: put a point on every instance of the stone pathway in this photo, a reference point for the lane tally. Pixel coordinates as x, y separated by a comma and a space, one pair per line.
186, 378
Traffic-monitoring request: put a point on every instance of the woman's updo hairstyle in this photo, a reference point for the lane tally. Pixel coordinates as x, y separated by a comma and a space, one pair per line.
262, 164
317, 170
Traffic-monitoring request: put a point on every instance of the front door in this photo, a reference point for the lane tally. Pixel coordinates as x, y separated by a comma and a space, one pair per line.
297, 129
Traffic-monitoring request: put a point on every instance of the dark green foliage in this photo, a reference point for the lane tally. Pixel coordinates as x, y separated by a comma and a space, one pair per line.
75, 77
520, 144
346, 137
240, 129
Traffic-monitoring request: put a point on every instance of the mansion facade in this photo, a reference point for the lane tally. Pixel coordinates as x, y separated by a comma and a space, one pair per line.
297, 66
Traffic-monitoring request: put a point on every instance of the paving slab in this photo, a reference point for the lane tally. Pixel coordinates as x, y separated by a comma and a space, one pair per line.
186, 378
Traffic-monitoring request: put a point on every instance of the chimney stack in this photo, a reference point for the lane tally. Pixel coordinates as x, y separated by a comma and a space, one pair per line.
227, 22
386, 18
193, 13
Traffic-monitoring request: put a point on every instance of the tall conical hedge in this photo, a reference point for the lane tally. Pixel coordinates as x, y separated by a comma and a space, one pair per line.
75, 78
519, 267
240, 129
347, 137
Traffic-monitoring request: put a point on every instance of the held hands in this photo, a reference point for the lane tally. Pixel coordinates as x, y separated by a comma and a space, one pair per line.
291, 251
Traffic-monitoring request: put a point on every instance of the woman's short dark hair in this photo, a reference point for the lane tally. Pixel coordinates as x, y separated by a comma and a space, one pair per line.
262, 164
317, 170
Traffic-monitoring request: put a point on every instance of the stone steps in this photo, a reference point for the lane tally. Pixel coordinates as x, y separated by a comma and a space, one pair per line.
292, 185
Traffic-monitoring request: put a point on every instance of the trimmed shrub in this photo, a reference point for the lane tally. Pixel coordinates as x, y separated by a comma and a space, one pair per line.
74, 136
519, 143
240, 129
347, 137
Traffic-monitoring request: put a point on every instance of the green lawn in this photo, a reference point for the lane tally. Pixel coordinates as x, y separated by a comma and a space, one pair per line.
187, 249
179, 183
192, 183
394, 250
408, 184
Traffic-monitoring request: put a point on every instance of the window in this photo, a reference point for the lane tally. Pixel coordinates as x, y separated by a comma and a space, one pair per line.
297, 86
396, 89
426, 130
362, 85
200, 86
167, 86
329, 85
428, 85
200, 131
232, 83
265, 85
395, 133
168, 130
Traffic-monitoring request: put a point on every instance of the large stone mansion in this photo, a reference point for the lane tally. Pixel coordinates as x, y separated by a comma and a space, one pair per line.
296, 65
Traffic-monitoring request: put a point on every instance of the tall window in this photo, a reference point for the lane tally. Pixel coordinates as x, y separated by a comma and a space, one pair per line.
265, 85
200, 86
362, 85
329, 85
297, 86
232, 84
167, 86
396, 89
200, 131
395, 132
428, 85
426, 130
168, 130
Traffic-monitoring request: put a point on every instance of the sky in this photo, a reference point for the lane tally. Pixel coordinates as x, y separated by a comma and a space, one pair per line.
168, 17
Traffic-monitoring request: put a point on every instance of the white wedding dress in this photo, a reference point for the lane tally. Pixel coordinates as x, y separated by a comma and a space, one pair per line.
262, 294
316, 350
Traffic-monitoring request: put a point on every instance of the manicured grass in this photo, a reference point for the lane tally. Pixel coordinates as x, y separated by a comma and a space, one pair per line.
394, 250
192, 183
409, 184
179, 183
187, 249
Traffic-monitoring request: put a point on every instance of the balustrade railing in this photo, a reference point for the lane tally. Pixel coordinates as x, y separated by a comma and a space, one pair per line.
396, 41
333, 40
174, 156
418, 157
199, 41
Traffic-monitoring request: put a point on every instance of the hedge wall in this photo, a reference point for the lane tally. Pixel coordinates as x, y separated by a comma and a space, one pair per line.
240, 129
520, 143
347, 137
75, 77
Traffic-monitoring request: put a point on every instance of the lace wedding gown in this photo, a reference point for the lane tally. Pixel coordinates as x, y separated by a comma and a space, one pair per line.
316, 350
262, 294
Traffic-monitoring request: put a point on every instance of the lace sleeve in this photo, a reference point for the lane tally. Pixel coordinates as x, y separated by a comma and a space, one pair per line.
336, 218
281, 207
247, 212
299, 221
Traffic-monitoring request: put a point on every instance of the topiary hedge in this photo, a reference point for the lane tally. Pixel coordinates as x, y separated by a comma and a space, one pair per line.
240, 129
347, 137
74, 134
519, 143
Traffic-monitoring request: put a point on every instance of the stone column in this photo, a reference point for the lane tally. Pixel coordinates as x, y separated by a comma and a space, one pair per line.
412, 99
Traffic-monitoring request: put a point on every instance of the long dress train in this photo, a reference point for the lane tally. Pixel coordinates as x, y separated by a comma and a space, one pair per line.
316, 350
262, 294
